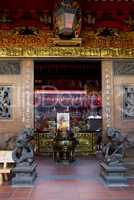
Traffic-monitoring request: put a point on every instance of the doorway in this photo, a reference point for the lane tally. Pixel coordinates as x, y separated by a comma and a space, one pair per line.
71, 88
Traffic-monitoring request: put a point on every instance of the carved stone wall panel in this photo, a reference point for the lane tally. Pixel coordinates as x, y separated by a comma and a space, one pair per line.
5, 102
124, 95
128, 102
123, 67
12, 126
9, 67
22, 115
107, 94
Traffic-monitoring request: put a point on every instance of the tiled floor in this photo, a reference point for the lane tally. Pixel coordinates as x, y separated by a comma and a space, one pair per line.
76, 181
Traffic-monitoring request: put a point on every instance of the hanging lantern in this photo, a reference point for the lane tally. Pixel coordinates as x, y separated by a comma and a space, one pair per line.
68, 19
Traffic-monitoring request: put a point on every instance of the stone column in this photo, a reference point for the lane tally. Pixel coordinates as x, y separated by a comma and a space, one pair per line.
27, 85
107, 94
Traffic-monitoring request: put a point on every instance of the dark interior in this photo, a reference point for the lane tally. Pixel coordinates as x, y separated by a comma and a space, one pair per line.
65, 75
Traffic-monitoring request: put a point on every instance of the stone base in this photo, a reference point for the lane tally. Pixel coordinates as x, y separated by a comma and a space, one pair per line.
113, 175
129, 162
130, 169
24, 175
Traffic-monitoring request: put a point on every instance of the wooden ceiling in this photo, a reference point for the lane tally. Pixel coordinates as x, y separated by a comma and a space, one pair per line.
49, 4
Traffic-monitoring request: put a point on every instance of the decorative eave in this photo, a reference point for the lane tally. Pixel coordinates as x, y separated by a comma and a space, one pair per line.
68, 52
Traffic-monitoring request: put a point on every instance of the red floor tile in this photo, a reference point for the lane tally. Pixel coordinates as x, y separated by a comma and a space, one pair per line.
77, 181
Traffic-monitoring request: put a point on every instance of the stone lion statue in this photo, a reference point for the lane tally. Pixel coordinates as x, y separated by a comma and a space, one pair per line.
23, 153
114, 150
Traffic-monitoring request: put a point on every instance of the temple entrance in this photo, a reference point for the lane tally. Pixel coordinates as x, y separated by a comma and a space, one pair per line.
68, 99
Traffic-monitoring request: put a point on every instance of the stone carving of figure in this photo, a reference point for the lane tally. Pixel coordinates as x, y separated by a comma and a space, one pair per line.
115, 148
129, 102
23, 153
5, 102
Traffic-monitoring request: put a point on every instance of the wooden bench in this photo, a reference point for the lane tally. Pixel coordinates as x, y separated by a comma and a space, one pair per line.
5, 160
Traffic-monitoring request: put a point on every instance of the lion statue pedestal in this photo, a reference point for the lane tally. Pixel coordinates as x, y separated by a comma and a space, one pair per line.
23, 155
112, 169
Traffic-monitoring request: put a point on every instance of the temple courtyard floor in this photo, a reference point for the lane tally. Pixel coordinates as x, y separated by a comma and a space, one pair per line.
79, 180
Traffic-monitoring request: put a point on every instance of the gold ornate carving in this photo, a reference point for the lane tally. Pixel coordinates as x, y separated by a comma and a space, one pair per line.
67, 52
87, 143
123, 40
44, 45
11, 40
126, 40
